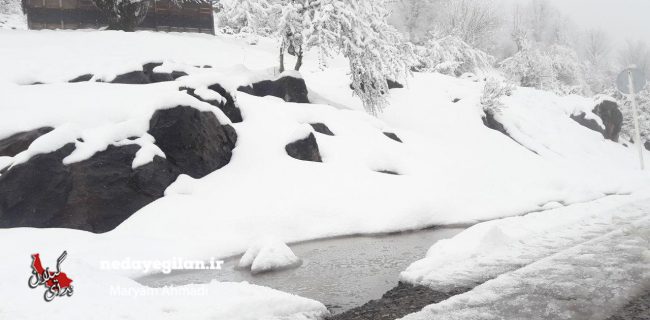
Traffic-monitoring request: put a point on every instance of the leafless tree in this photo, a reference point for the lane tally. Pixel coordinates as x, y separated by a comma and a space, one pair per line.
636, 53
474, 21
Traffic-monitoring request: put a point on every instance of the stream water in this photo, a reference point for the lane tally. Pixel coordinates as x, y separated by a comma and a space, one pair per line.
340, 272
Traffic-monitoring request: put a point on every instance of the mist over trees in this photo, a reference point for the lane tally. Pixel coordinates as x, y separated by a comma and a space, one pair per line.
356, 29
528, 43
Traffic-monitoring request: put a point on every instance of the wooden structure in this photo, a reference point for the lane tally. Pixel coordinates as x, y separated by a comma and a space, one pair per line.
163, 15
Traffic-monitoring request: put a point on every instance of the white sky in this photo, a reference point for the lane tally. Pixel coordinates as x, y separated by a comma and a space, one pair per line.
623, 19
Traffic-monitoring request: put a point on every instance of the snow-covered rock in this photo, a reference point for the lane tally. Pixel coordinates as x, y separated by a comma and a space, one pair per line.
268, 255
289, 86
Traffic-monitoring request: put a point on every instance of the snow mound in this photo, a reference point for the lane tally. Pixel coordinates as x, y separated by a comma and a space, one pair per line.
269, 255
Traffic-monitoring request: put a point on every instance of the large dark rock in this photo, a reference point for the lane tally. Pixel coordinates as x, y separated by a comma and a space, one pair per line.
194, 141
392, 84
133, 77
288, 88
647, 145
82, 78
322, 128
398, 302
100, 193
228, 107
305, 149
19, 142
612, 118
588, 123
35, 193
94, 195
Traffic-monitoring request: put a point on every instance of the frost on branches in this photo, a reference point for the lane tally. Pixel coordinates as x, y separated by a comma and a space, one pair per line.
357, 29
554, 68
257, 17
452, 56
643, 102
492, 92
123, 15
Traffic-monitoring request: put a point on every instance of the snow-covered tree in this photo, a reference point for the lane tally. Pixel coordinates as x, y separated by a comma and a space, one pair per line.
493, 90
554, 68
357, 29
258, 17
415, 17
473, 21
451, 55
123, 15
636, 53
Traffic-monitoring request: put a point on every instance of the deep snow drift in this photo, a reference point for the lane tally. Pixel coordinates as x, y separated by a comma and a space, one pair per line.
450, 168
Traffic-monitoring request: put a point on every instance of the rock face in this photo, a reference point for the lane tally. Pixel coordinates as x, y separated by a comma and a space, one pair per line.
82, 78
305, 149
94, 195
229, 107
155, 77
100, 193
393, 136
612, 118
19, 142
193, 141
288, 88
398, 302
588, 123
322, 129
394, 84
491, 122
144, 76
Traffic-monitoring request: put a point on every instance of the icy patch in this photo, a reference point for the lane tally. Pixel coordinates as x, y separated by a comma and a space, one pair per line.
268, 255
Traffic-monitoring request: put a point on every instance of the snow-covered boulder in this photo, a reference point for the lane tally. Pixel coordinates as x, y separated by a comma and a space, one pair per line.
268, 255
609, 114
99, 193
289, 87
588, 122
219, 97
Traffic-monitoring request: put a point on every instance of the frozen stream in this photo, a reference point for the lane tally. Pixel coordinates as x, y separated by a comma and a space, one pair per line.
341, 272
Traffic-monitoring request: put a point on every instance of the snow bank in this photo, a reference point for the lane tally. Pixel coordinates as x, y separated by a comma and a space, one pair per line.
268, 255
452, 169
580, 263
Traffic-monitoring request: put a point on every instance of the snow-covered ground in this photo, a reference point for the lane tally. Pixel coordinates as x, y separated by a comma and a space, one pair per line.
453, 170
11, 15
582, 262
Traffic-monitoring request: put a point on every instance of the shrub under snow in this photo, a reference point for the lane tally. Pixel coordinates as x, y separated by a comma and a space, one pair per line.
493, 91
452, 56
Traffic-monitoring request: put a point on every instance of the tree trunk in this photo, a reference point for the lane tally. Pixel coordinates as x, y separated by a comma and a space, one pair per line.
282, 58
299, 60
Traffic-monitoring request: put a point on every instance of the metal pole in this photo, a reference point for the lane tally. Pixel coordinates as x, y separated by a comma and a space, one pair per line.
636, 118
